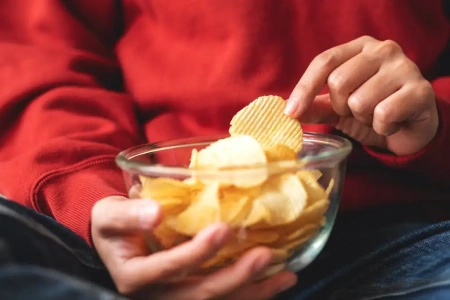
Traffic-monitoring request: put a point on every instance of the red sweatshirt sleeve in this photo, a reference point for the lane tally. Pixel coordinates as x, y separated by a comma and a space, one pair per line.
61, 122
433, 161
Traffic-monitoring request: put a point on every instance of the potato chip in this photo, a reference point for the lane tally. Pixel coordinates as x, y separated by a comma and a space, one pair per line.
304, 231
234, 212
236, 204
264, 119
191, 181
231, 153
167, 237
160, 188
173, 205
280, 152
279, 254
283, 197
257, 214
330, 187
313, 189
258, 237
311, 214
294, 245
272, 270
229, 253
203, 211
282, 210
292, 238
194, 159
316, 174
234, 151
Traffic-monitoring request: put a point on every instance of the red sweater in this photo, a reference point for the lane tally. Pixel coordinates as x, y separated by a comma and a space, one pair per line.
81, 80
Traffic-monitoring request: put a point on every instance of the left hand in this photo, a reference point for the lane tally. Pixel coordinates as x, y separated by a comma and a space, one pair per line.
376, 95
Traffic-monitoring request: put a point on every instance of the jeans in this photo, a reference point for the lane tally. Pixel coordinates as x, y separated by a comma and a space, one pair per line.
41, 259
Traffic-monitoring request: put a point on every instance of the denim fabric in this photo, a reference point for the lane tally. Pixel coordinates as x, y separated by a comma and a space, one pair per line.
40, 259
31, 282
407, 261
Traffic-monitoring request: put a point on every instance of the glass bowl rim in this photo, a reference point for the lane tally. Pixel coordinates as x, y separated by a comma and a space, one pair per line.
124, 159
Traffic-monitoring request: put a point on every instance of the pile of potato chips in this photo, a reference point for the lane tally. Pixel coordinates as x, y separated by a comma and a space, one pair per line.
279, 209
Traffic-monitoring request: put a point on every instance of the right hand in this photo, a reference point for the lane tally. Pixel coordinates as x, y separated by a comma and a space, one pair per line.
117, 226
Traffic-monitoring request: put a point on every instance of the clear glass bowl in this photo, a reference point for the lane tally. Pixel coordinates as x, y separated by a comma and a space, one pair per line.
170, 159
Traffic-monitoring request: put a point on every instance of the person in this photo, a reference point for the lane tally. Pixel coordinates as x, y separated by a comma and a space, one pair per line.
82, 80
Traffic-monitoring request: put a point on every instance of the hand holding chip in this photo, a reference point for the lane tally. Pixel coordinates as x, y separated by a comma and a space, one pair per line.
376, 95
117, 226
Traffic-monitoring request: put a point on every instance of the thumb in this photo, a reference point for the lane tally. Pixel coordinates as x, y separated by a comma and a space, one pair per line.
320, 112
118, 214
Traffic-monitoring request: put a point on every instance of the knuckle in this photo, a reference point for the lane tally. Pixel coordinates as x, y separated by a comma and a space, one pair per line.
383, 114
367, 38
337, 81
388, 48
341, 108
380, 129
364, 119
425, 90
370, 57
356, 103
406, 66
328, 58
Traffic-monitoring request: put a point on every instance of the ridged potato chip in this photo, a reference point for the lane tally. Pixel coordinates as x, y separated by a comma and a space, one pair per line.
264, 119
280, 152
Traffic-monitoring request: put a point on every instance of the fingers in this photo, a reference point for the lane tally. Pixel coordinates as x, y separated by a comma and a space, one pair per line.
402, 106
245, 270
115, 215
135, 191
359, 84
363, 101
227, 280
316, 75
320, 112
268, 288
174, 263
347, 78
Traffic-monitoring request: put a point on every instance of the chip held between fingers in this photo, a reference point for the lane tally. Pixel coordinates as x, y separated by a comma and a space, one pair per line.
291, 107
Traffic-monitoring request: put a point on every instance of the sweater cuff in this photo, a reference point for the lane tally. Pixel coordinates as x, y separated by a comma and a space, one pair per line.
69, 194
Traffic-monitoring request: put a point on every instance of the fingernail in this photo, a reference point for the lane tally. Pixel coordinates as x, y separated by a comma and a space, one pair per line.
261, 263
291, 107
148, 214
285, 285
